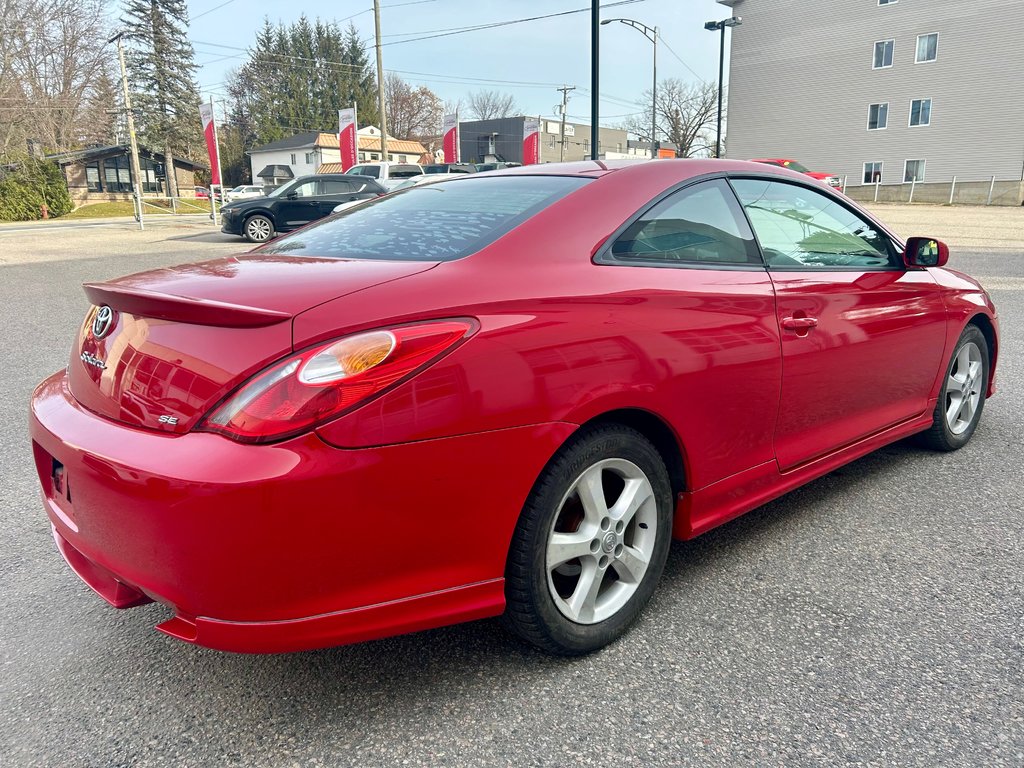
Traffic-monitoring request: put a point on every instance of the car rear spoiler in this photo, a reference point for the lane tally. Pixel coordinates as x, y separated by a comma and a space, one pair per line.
182, 309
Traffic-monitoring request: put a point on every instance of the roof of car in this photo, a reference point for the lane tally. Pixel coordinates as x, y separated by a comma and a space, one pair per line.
681, 167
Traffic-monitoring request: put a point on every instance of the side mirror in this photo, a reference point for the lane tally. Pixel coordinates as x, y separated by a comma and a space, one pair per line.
925, 252
292, 196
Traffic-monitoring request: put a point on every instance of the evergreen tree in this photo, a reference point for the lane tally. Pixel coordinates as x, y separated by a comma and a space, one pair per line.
161, 65
297, 78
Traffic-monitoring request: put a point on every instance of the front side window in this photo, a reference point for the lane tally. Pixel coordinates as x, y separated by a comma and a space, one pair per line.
305, 189
920, 112
878, 117
873, 173
800, 228
927, 48
697, 225
884, 50
913, 171
430, 222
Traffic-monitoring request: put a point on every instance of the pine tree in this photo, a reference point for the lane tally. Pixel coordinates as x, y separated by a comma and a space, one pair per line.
298, 77
161, 64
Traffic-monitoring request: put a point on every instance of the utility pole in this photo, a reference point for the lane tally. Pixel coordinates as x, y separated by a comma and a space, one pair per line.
136, 173
380, 85
565, 103
595, 77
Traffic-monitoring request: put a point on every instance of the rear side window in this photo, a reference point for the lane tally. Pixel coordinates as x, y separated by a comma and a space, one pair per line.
335, 187
700, 225
430, 222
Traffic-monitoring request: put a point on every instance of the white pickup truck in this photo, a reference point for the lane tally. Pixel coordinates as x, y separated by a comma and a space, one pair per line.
386, 173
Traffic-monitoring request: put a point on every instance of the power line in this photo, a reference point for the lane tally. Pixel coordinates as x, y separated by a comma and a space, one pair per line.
430, 34
215, 8
341, 66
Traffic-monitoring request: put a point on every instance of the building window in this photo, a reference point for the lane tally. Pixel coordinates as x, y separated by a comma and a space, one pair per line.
888, 2
551, 142
586, 145
878, 117
374, 156
618, 146
117, 174
148, 169
872, 173
920, 112
310, 158
913, 171
293, 158
92, 177
927, 48
884, 50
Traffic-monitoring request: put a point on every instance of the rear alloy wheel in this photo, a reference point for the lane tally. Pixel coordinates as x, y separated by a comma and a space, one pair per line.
258, 229
591, 543
963, 394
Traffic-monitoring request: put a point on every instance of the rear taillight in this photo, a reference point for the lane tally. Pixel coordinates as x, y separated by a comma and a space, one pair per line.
311, 387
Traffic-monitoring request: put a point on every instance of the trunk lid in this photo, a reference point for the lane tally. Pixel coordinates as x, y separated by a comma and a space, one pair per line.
159, 349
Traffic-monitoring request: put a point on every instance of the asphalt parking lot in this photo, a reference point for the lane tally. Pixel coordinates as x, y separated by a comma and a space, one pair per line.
874, 617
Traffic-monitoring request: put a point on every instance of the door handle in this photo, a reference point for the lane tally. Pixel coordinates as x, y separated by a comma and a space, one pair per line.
799, 323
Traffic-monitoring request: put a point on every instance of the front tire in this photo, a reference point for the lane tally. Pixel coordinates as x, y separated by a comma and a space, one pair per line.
962, 398
591, 543
258, 228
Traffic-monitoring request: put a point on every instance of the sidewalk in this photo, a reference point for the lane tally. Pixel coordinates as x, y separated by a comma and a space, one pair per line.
964, 226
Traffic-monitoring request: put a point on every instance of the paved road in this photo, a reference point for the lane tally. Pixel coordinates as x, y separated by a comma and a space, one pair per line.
871, 618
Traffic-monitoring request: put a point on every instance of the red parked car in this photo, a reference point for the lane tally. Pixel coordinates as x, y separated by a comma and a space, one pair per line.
501, 393
829, 179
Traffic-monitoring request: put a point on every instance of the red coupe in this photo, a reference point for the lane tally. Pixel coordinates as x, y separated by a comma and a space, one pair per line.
499, 394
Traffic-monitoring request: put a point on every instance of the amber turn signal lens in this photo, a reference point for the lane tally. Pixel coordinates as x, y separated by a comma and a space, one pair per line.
348, 357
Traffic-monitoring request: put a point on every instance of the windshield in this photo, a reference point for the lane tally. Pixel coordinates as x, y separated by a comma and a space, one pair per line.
430, 222
435, 169
793, 165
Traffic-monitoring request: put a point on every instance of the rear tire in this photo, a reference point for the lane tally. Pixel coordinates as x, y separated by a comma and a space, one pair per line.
962, 397
258, 228
591, 543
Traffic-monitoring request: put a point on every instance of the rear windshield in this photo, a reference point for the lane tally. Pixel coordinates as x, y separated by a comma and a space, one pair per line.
404, 171
430, 222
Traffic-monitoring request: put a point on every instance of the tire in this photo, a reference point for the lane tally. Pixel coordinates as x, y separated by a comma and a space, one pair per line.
258, 228
962, 398
598, 540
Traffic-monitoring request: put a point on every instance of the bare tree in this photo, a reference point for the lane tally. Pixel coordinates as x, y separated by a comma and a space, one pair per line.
686, 116
53, 65
413, 112
488, 105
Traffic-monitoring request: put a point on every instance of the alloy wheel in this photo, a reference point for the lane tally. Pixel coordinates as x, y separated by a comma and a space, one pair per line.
258, 228
601, 541
963, 388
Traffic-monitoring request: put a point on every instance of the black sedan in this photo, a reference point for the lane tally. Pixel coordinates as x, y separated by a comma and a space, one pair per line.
295, 204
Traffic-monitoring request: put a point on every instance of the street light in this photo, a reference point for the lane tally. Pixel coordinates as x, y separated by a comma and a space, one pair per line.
714, 26
651, 33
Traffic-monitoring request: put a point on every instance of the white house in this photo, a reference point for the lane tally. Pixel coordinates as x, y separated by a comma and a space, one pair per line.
286, 159
283, 160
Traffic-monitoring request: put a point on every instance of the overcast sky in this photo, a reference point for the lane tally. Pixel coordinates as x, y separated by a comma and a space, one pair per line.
539, 55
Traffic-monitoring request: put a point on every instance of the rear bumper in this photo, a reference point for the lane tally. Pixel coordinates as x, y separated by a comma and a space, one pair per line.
288, 546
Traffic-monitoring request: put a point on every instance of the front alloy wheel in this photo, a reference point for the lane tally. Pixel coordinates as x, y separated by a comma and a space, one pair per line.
258, 229
962, 398
591, 542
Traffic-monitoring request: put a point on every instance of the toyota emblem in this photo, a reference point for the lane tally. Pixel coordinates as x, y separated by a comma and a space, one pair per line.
102, 322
